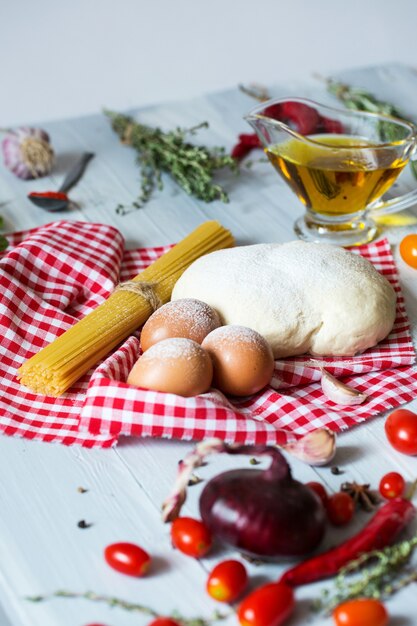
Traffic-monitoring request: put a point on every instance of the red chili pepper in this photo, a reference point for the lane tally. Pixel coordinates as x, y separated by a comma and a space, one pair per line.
274, 111
247, 142
331, 126
304, 117
240, 150
380, 532
54, 195
250, 139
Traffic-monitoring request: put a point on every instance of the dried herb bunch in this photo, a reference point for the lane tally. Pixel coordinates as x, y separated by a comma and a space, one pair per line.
361, 100
191, 166
3, 241
386, 572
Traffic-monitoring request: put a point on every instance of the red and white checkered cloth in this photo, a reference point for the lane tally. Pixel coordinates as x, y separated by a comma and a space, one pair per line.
55, 274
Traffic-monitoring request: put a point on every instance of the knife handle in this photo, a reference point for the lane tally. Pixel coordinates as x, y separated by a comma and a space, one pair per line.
76, 172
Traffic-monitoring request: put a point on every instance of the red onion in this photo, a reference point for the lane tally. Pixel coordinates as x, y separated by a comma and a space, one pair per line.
265, 513
27, 152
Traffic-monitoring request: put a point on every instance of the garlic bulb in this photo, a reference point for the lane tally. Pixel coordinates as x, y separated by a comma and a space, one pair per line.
27, 152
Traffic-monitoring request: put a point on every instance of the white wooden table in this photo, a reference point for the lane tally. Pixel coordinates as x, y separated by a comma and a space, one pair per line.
41, 547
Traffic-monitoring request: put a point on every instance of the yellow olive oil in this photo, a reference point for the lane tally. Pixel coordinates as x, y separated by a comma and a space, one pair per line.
330, 177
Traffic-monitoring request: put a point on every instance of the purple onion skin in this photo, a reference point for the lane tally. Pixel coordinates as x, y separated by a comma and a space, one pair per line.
264, 513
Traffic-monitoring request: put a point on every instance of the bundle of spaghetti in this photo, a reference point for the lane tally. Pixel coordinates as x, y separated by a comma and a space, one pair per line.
58, 365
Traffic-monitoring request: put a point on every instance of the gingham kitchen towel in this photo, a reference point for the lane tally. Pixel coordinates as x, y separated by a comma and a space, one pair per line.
53, 275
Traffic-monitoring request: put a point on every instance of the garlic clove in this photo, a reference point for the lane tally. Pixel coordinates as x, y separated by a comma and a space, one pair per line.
27, 152
338, 392
315, 448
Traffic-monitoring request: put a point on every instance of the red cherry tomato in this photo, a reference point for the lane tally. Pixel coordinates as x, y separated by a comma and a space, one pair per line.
392, 485
340, 508
164, 621
191, 536
269, 605
401, 431
227, 581
408, 250
320, 491
361, 612
127, 558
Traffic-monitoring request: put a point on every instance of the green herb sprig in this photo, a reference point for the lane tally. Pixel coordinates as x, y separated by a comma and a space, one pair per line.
133, 607
386, 574
3, 241
361, 100
191, 166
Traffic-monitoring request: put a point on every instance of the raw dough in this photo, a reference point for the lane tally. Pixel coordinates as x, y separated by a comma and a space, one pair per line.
302, 297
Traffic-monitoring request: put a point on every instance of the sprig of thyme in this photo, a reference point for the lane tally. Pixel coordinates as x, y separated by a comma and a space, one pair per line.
191, 166
361, 100
386, 574
129, 606
3, 241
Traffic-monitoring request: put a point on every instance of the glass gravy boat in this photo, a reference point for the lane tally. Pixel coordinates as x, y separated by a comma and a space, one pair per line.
339, 163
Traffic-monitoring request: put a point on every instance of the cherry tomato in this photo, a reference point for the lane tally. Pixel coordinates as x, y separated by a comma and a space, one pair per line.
269, 605
164, 621
408, 250
392, 485
127, 558
191, 536
361, 612
340, 508
227, 581
319, 489
401, 431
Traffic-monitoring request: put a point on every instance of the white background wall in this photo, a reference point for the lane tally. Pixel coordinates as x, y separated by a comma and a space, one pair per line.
67, 57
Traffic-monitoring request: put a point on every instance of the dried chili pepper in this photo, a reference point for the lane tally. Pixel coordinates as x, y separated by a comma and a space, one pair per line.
380, 532
247, 142
303, 118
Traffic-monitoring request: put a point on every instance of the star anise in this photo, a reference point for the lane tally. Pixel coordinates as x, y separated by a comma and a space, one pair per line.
363, 495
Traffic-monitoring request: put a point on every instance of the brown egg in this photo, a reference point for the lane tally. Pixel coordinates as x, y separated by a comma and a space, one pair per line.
242, 359
187, 318
175, 365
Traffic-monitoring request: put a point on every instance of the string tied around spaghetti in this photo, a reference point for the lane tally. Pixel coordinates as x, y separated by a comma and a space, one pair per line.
142, 288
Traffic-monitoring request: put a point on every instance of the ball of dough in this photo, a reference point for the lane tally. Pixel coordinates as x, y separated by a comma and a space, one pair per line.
302, 297
187, 318
175, 365
242, 359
